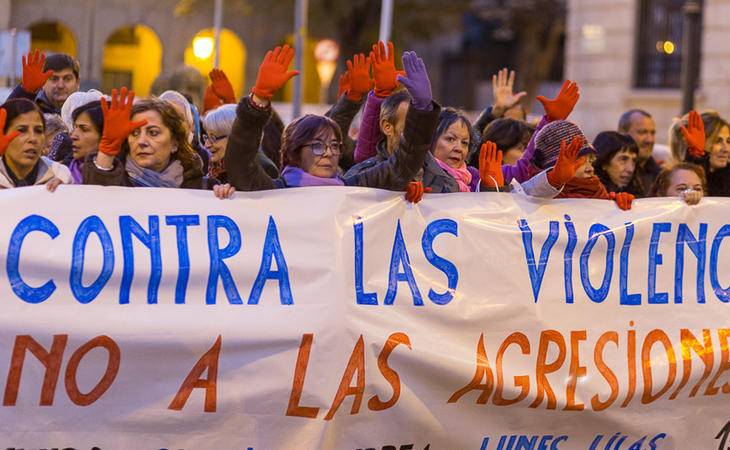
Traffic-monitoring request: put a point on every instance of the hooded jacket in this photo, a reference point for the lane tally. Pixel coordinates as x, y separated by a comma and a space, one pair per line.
47, 170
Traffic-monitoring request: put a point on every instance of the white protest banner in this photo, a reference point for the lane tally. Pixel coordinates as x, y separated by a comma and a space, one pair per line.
347, 318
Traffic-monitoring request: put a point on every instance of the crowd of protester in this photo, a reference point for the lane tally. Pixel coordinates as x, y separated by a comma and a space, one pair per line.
52, 134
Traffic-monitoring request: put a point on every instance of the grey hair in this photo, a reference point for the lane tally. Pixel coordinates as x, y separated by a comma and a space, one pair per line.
624, 122
220, 120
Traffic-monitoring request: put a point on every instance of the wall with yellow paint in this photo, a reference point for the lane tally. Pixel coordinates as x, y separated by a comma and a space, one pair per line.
232, 58
143, 60
67, 43
312, 85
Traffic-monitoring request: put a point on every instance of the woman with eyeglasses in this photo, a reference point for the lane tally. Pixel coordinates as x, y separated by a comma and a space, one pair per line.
217, 124
311, 145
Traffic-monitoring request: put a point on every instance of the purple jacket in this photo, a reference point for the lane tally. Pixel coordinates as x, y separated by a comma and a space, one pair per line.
369, 134
519, 171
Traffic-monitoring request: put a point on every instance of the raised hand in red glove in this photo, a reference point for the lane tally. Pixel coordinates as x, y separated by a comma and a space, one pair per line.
273, 72
210, 100
360, 81
623, 199
384, 71
344, 85
490, 165
694, 135
566, 164
561, 107
117, 123
5, 138
33, 76
415, 191
221, 86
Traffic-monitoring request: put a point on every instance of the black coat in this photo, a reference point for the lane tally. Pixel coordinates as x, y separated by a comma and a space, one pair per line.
246, 174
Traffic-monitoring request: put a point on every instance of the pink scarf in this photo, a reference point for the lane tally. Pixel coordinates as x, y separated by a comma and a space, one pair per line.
462, 175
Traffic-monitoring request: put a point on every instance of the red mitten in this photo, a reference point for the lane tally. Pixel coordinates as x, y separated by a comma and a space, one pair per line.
694, 135
5, 138
344, 84
360, 81
490, 165
33, 76
221, 86
210, 100
117, 125
415, 191
384, 71
623, 199
273, 72
561, 107
566, 164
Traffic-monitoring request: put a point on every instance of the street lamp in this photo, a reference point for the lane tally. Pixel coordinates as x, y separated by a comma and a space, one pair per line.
202, 47
326, 52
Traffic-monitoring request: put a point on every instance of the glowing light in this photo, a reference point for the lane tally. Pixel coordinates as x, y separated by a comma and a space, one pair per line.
202, 47
668, 47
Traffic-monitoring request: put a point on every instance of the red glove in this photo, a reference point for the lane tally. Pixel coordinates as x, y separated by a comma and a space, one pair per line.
623, 199
33, 76
273, 72
566, 165
360, 81
415, 191
694, 135
117, 125
384, 71
221, 86
344, 84
490, 165
560, 108
5, 138
210, 100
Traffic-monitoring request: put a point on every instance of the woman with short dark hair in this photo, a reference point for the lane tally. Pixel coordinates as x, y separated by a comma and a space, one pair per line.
21, 148
615, 163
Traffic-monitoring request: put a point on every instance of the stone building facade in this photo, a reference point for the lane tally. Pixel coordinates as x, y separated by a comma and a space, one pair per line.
602, 54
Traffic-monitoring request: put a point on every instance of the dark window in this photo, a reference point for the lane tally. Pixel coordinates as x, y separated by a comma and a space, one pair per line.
45, 31
111, 79
659, 46
124, 36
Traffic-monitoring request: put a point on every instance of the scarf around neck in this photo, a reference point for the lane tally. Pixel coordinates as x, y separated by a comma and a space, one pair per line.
75, 167
583, 188
461, 175
171, 177
296, 177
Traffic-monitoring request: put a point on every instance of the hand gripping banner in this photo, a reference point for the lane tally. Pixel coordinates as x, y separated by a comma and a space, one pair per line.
348, 318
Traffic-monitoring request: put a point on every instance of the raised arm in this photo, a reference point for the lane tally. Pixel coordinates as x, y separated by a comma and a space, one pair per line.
556, 109
241, 158
385, 82
347, 106
421, 120
33, 76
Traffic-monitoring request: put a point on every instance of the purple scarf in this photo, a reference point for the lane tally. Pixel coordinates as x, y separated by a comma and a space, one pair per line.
462, 176
296, 177
75, 168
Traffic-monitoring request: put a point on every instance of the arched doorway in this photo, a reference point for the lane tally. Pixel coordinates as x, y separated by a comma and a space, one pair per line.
52, 37
199, 54
132, 58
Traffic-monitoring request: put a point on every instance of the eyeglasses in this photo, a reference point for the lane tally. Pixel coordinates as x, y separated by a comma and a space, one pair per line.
319, 147
213, 138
